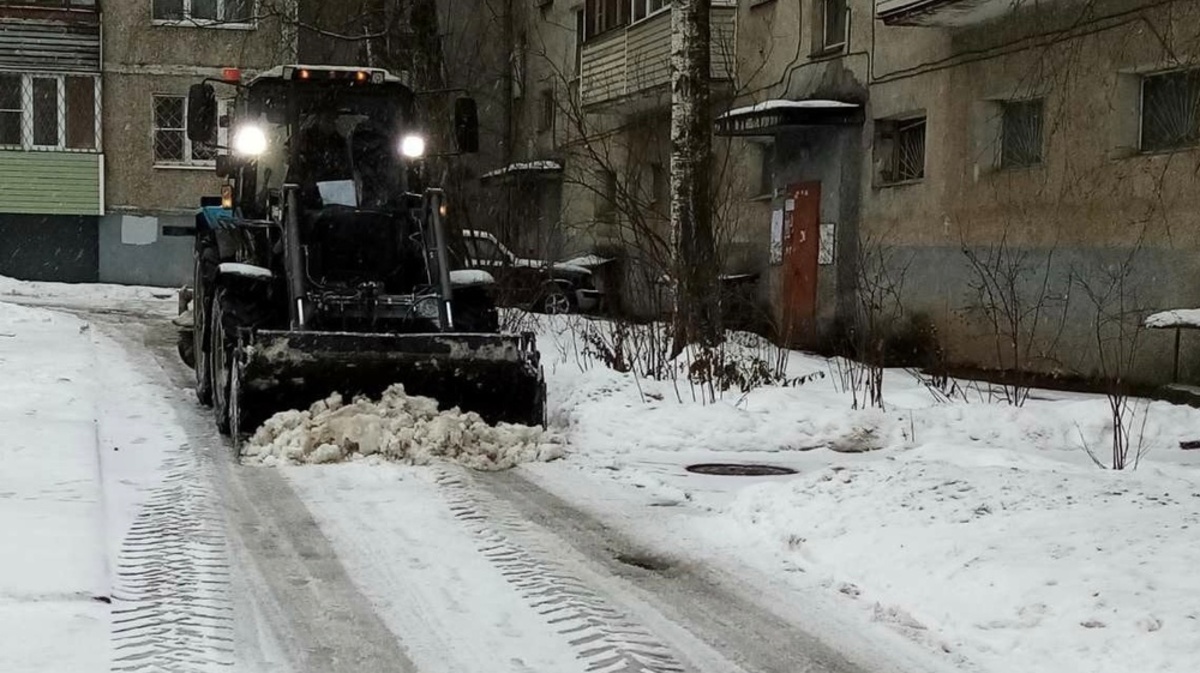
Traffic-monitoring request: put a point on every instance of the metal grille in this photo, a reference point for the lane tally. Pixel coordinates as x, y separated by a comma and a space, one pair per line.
1171, 110
10, 110
1021, 140
170, 135
49, 112
910, 150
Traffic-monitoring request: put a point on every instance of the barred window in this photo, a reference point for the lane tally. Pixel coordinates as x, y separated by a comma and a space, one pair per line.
1021, 134
204, 11
171, 144
902, 149
45, 111
48, 112
1170, 110
10, 110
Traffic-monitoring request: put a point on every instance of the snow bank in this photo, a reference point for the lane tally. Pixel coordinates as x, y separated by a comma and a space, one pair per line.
1017, 563
398, 427
96, 292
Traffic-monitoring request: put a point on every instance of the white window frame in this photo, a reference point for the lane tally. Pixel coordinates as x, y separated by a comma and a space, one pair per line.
27, 143
224, 107
189, 21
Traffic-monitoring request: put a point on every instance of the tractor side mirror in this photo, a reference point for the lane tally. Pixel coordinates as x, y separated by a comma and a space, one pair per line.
202, 114
226, 165
466, 125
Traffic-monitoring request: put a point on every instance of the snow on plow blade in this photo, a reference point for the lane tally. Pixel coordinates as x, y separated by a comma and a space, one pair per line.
497, 376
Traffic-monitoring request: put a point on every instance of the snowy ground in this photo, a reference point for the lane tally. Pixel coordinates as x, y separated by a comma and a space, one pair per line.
971, 536
982, 531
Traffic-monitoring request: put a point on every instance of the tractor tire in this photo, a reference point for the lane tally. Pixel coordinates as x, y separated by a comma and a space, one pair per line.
221, 357
206, 257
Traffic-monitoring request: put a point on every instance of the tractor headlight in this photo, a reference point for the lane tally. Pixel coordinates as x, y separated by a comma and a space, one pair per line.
249, 141
412, 146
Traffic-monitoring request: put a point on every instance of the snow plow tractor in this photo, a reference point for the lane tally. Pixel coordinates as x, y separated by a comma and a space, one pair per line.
326, 265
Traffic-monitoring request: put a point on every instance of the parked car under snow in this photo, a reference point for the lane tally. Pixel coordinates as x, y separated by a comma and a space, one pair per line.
537, 284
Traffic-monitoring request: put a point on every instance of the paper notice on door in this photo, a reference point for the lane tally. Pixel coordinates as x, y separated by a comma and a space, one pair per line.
789, 204
776, 256
827, 247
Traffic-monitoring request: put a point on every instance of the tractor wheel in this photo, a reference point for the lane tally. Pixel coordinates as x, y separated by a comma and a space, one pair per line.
201, 317
221, 357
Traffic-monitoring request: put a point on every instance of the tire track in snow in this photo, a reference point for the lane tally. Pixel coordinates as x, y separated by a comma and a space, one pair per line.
171, 609
604, 637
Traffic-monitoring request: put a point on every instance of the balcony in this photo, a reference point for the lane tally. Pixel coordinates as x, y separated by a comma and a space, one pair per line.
943, 13
636, 59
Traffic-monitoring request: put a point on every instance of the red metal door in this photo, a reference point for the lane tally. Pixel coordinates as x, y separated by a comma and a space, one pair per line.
801, 228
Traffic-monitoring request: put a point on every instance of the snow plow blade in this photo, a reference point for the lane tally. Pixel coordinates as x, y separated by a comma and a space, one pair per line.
498, 377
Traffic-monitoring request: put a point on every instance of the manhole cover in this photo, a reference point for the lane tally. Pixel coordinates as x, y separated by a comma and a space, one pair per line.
735, 470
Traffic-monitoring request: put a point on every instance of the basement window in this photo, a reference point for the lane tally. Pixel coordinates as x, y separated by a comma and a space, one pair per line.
1170, 111
900, 150
1021, 133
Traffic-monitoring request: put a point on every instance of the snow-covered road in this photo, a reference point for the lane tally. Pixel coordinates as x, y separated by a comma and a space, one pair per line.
976, 537
211, 565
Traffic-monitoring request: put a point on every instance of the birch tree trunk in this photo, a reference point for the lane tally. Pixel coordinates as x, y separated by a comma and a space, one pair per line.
694, 259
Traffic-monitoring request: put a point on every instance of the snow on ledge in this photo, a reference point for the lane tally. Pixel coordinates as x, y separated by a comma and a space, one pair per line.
1180, 317
524, 167
779, 104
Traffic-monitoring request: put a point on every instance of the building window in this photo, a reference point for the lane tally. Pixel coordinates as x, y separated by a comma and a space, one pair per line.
49, 112
546, 111
1021, 134
660, 184
10, 110
606, 200
902, 149
644, 8
601, 16
171, 144
236, 12
1170, 111
766, 173
833, 26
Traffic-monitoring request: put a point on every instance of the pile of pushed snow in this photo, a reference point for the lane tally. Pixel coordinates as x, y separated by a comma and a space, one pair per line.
398, 427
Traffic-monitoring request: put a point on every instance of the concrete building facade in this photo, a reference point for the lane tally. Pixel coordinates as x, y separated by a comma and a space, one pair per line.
51, 142
952, 156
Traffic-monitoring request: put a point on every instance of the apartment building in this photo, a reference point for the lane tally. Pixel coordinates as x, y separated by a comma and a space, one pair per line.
51, 150
154, 50
928, 147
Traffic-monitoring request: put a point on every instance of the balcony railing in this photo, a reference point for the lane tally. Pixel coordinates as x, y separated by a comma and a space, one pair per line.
637, 58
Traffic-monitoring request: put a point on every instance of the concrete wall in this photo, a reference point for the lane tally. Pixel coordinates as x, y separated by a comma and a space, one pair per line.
146, 250
49, 247
1095, 201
